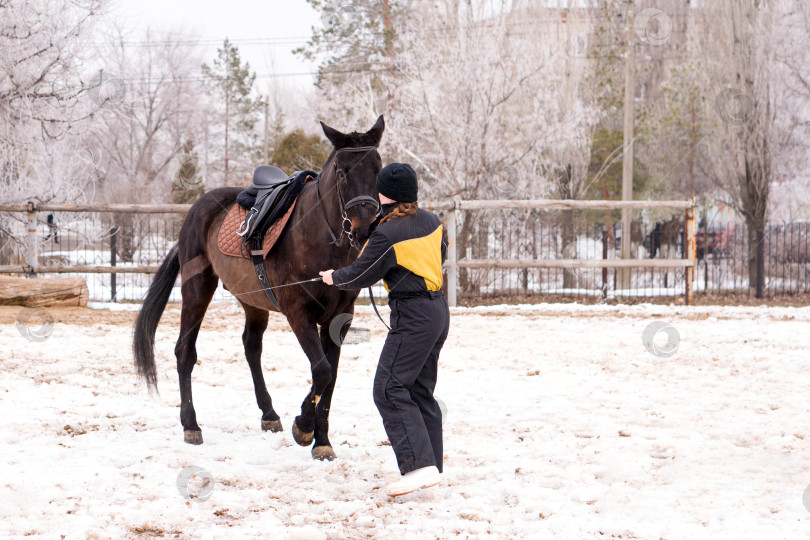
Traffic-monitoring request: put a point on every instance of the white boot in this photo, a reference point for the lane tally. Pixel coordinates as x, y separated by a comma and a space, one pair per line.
414, 480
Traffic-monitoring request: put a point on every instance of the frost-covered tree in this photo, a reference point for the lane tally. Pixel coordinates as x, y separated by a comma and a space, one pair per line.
42, 48
42, 111
146, 114
752, 123
484, 98
145, 126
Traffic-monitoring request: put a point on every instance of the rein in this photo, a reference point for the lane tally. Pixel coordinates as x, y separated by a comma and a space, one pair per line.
344, 207
346, 223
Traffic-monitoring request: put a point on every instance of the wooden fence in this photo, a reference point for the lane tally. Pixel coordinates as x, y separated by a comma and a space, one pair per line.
453, 264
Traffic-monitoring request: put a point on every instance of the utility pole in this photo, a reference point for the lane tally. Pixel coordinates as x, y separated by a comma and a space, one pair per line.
227, 122
692, 144
387, 28
266, 128
627, 159
205, 153
389, 40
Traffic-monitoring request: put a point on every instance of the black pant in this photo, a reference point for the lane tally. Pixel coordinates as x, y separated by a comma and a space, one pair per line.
406, 377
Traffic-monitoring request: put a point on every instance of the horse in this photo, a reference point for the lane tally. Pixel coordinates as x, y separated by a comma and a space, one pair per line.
323, 231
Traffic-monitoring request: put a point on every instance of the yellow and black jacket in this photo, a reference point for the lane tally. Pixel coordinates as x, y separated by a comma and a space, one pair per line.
406, 253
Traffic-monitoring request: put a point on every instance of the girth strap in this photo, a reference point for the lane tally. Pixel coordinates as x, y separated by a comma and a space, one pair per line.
257, 255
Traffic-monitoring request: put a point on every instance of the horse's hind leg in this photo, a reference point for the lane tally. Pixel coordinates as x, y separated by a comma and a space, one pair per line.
197, 293
255, 325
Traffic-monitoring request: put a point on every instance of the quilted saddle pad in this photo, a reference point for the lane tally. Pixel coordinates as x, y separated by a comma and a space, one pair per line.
230, 243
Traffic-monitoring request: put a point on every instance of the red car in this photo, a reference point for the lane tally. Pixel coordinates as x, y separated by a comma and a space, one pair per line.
714, 240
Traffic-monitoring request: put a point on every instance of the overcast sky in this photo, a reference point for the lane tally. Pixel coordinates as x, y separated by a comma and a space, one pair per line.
266, 31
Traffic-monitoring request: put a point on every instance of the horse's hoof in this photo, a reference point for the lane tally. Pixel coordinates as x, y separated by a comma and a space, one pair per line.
193, 437
303, 438
273, 426
323, 453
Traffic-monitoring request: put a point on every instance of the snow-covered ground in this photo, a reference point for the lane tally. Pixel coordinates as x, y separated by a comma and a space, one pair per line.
560, 424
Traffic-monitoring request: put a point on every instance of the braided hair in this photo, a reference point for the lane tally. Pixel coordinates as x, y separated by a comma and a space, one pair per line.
402, 210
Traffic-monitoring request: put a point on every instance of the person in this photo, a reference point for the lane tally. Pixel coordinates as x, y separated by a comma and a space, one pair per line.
406, 249
53, 231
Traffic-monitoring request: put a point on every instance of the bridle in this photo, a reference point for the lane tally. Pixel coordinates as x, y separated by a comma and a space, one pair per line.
346, 224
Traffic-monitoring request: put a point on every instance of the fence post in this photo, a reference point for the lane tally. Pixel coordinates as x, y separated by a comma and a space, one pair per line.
32, 255
452, 258
113, 250
691, 253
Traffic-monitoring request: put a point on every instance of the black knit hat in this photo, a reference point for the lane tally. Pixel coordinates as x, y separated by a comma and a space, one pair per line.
397, 181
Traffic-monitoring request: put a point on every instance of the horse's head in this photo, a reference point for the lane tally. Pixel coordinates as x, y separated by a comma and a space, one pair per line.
355, 163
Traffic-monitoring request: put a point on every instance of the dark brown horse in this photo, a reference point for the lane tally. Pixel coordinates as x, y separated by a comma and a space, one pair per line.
305, 247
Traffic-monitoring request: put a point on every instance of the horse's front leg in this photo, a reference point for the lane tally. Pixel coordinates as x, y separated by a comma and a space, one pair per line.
307, 333
331, 340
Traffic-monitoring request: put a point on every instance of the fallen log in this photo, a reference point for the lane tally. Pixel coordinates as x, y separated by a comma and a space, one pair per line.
43, 292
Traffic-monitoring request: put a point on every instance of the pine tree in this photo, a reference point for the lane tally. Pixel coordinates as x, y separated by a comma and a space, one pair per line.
231, 83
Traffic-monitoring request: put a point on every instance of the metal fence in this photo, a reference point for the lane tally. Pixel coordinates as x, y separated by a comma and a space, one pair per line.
550, 236
116, 252
565, 248
723, 266
721, 261
112, 244
510, 250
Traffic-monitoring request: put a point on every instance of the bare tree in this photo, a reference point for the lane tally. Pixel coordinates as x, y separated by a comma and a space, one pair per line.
42, 45
741, 38
149, 122
483, 98
148, 116
42, 114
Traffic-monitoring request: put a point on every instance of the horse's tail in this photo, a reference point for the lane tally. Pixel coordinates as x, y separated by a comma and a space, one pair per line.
143, 344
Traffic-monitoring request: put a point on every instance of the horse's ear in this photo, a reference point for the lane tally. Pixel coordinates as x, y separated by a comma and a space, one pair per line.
338, 139
376, 131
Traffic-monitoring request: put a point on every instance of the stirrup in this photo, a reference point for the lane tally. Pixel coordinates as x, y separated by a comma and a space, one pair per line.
246, 223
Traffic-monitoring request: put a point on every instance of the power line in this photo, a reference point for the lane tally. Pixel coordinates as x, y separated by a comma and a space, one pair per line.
429, 33
326, 72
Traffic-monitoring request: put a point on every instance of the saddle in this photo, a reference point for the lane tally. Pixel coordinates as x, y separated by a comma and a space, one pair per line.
269, 202
261, 197
270, 196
